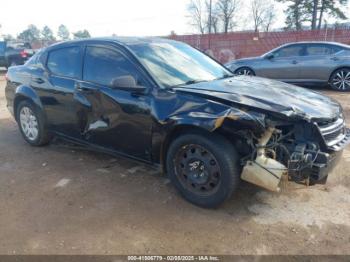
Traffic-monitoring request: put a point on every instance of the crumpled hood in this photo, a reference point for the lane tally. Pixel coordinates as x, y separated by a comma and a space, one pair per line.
269, 95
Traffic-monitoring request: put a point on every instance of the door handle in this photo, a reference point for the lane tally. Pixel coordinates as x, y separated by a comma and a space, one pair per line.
83, 88
335, 58
294, 62
38, 80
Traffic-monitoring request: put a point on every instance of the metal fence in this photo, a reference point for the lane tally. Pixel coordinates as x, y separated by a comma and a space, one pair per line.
226, 47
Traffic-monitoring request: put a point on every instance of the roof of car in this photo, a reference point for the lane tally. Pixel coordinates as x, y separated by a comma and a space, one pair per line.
318, 42
127, 41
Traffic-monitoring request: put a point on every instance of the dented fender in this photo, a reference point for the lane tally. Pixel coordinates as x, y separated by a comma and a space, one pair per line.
175, 111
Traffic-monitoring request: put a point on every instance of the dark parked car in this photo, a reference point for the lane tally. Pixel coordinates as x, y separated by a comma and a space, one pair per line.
303, 63
165, 103
12, 54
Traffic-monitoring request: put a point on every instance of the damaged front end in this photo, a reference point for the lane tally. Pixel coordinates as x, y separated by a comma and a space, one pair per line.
303, 152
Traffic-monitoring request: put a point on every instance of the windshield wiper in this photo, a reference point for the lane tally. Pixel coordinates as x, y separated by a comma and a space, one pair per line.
191, 82
224, 76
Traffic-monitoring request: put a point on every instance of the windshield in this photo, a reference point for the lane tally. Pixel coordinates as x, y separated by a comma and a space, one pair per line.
173, 63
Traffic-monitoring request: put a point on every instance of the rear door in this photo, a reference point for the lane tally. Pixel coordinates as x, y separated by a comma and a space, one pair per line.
285, 63
318, 62
116, 119
56, 88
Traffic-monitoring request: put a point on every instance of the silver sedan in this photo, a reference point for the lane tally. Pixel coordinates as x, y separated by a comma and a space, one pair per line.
301, 63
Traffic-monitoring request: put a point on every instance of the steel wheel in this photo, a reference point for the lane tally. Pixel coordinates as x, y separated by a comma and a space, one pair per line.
340, 80
197, 170
245, 71
29, 123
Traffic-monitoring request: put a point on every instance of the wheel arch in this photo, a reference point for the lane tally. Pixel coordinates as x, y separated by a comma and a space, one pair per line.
180, 130
25, 93
336, 69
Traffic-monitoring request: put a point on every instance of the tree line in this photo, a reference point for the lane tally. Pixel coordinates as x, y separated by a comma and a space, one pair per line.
32, 33
222, 16
313, 12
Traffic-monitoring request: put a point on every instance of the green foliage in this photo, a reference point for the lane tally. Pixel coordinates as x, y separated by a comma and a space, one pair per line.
300, 12
47, 34
81, 34
29, 35
63, 33
8, 37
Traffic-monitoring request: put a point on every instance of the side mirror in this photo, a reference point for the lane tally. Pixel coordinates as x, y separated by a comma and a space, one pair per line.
128, 83
270, 56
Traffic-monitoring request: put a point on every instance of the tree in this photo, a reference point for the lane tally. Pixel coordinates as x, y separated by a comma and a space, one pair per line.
47, 34
8, 38
31, 34
81, 34
313, 12
63, 33
212, 17
331, 8
263, 14
226, 10
197, 15
269, 18
215, 23
297, 13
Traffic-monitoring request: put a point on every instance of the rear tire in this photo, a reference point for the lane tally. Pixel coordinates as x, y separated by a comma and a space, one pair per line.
340, 80
32, 124
204, 168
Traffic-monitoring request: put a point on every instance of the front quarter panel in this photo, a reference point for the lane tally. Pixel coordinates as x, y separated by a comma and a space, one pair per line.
174, 109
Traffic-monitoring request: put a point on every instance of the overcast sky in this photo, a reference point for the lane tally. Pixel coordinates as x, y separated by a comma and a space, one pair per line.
107, 17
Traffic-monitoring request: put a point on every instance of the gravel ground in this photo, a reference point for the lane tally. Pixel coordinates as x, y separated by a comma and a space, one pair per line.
62, 200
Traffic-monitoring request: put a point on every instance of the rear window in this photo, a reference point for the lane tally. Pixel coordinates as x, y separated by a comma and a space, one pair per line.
320, 49
65, 62
18, 45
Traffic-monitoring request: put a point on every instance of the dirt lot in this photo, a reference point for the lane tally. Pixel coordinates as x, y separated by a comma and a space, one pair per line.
60, 200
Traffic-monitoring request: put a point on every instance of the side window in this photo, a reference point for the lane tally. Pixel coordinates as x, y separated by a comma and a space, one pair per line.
103, 65
336, 49
65, 62
319, 49
289, 51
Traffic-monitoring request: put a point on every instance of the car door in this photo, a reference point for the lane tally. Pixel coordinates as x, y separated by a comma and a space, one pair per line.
318, 61
283, 64
116, 119
56, 84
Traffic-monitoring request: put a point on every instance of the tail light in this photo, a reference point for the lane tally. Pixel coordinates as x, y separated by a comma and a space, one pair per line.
23, 54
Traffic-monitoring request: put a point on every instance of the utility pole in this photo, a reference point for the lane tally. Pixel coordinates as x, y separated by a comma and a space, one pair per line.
209, 29
210, 6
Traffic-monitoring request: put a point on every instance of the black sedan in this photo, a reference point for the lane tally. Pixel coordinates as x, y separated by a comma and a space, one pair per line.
167, 104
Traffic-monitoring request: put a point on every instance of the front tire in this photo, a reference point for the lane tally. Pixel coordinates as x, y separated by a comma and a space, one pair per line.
32, 124
340, 80
204, 168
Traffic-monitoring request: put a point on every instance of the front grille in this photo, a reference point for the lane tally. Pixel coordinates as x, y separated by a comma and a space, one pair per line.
334, 131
